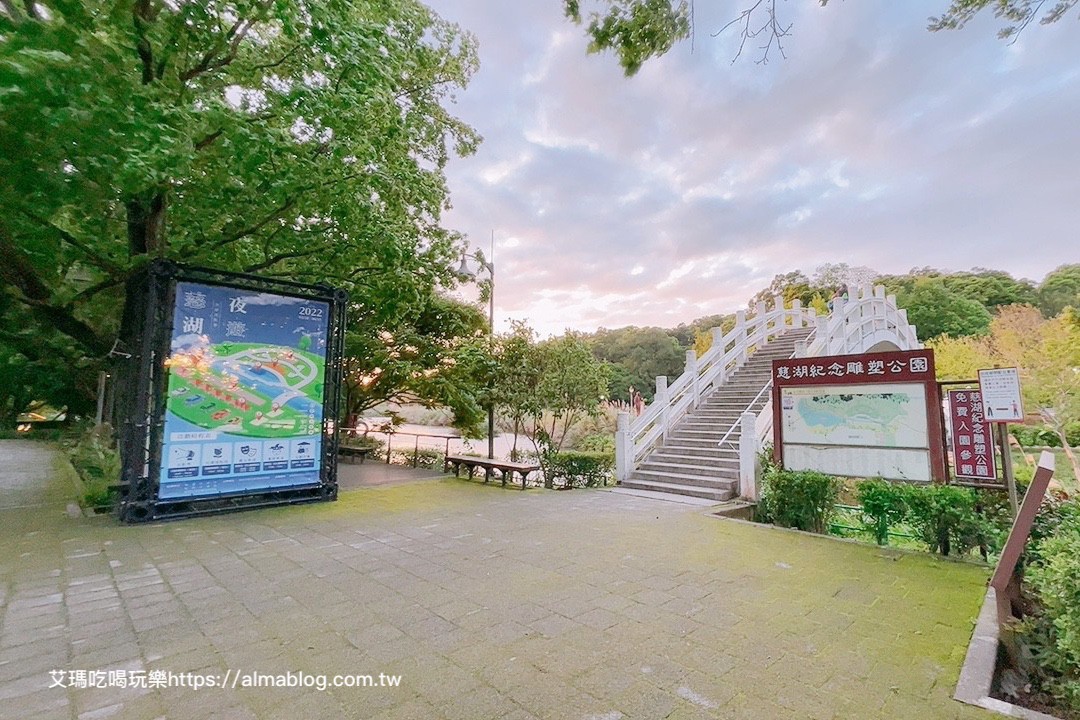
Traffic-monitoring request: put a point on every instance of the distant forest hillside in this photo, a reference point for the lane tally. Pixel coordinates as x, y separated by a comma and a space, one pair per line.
938, 302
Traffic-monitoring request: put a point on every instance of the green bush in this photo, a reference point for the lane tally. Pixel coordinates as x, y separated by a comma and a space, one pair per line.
1044, 435
799, 499
597, 443
948, 519
883, 504
576, 468
1055, 580
425, 458
96, 460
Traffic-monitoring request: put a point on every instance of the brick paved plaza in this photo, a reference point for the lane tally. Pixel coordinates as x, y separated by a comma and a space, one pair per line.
489, 603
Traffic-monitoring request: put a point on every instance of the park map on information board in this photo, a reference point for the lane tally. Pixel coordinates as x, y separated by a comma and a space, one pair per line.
245, 392
866, 415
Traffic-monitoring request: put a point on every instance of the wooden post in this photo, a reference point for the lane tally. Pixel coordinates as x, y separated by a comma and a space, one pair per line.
1021, 528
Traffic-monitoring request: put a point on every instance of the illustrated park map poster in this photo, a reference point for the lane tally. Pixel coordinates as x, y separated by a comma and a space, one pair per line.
245, 393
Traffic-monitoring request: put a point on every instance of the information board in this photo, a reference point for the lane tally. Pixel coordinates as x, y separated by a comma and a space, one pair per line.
1000, 388
866, 415
972, 442
246, 375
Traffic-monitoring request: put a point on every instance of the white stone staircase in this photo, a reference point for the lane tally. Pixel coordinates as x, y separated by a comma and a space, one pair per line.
701, 455
699, 438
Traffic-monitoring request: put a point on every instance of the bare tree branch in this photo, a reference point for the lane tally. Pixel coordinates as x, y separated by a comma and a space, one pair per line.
772, 29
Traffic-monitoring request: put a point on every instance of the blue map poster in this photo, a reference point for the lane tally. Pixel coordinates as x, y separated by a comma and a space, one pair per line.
246, 375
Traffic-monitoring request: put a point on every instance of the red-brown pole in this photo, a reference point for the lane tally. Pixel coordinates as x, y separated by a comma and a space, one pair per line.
1021, 528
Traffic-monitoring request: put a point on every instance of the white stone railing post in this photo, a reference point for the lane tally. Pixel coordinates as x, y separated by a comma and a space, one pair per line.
740, 334
796, 314
695, 378
748, 452
665, 404
761, 329
623, 447
822, 325
718, 344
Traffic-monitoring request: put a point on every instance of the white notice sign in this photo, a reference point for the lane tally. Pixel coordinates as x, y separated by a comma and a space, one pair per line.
1000, 389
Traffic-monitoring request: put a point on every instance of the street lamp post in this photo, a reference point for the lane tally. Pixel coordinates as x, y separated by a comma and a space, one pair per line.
463, 271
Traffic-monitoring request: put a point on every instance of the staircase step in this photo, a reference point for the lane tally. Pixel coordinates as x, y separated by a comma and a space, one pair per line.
686, 478
718, 494
697, 451
702, 461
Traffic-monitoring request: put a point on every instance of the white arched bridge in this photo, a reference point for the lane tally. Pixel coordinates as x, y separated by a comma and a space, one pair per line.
701, 435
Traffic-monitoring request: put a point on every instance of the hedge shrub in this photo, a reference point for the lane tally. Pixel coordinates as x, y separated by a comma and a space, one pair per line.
948, 519
798, 499
576, 468
1055, 579
884, 504
96, 460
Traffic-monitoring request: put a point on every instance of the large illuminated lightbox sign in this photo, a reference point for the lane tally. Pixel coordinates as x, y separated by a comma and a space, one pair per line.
247, 372
238, 377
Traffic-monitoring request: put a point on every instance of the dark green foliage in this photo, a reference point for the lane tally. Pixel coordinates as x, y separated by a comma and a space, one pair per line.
883, 504
1017, 13
635, 29
95, 459
1060, 289
580, 469
948, 520
597, 443
936, 310
798, 499
1053, 636
637, 357
302, 140
1045, 436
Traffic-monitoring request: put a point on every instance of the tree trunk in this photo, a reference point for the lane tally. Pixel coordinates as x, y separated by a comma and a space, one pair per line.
146, 224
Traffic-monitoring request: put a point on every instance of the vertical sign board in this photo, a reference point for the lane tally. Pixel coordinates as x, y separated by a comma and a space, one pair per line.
1001, 399
244, 408
866, 415
972, 443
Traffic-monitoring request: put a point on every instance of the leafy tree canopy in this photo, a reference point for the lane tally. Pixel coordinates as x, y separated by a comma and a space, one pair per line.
637, 30
936, 310
638, 356
300, 140
1060, 289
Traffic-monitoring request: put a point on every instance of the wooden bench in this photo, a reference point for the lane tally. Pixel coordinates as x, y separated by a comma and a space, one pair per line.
505, 467
352, 451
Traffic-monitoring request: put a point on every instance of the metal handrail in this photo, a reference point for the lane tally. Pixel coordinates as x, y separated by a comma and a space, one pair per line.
768, 386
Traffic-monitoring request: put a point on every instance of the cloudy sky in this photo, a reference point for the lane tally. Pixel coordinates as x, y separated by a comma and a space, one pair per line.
680, 192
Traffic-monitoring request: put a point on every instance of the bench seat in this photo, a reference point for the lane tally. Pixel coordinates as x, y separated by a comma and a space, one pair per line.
506, 468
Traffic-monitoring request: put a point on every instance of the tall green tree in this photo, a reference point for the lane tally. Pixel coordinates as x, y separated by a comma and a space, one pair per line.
1060, 289
437, 357
298, 140
517, 375
935, 310
638, 356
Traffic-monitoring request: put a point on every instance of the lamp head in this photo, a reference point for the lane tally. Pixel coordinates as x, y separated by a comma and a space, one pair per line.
463, 270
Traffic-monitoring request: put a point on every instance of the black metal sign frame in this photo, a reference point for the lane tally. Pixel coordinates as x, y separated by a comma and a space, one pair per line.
142, 391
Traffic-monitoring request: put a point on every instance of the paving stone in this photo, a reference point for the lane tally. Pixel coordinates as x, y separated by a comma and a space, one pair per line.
471, 594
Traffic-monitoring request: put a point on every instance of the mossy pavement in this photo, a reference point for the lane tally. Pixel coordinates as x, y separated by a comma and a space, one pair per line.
489, 603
